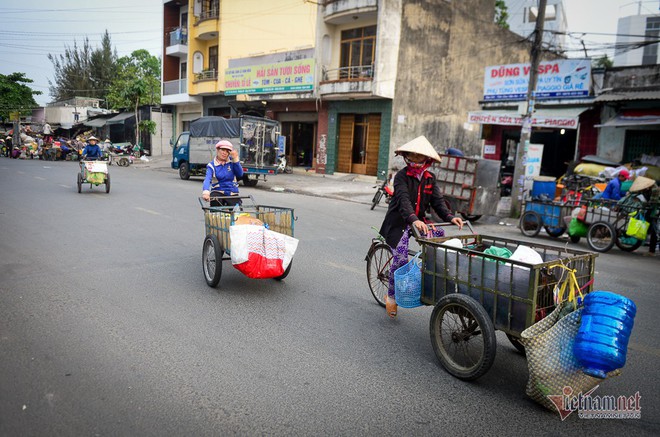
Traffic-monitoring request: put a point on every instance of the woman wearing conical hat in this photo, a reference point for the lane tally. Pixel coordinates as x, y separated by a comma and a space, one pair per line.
414, 191
647, 192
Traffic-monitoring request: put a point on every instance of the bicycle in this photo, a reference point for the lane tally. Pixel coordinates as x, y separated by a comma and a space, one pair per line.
385, 189
610, 229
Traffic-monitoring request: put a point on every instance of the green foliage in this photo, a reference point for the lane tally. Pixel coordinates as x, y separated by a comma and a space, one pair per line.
83, 71
147, 126
137, 81
15, 95
501, 14
602, 62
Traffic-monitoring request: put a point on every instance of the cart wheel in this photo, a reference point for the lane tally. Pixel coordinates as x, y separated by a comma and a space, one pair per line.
124, 162
376, 199
248, 182
601, 236
107, 183
574, 239
212, 260
79, 183
379, 260
471, 217
286, 272
530, 223
515, 341
626, 243
463, 336
554, 232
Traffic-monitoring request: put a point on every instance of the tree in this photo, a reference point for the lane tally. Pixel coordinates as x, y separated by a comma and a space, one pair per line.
501, 14
83, 70
603, 62
15, 95
137, 82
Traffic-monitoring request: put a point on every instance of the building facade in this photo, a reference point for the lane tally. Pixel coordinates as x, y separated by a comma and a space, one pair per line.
522, 20
637, 40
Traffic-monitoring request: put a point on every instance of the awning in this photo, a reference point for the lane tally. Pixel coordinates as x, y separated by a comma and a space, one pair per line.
120, 118
633, 118
622, 96
566, 118
97, 122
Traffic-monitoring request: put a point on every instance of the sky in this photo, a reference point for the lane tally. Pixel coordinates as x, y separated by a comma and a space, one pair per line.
32, 29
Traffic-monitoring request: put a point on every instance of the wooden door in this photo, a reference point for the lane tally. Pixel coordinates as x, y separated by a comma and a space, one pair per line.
373, 145
345, 143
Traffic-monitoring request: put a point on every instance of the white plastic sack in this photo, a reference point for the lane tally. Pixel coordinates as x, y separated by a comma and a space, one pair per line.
96, 167
454, 242
278, 246
527, 255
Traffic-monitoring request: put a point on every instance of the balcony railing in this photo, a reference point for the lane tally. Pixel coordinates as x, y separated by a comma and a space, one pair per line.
206, 75
179, 36
210, 14
179, 86
361, 72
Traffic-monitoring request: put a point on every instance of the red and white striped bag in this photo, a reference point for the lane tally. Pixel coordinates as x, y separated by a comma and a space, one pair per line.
259, 252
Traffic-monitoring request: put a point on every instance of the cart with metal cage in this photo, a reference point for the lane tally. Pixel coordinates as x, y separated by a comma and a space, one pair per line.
475, 293
217, 221
94, 173
546, 214
608, 221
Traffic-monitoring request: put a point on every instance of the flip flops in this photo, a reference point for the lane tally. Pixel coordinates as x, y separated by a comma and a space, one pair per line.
390, 307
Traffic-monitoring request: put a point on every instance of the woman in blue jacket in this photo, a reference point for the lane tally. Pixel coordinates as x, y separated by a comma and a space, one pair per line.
222, 175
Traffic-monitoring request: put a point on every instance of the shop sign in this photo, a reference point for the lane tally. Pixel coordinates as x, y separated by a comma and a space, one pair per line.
517, 120
568, 78
532, 160
280, 77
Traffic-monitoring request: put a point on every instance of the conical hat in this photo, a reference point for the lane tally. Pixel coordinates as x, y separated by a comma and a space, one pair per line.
419, 145
92, 138
641, 183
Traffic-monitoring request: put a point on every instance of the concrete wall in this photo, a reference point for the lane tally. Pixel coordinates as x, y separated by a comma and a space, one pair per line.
632, 77
443, 52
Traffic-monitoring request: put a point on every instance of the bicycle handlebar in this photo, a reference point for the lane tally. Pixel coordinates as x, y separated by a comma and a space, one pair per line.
417, 235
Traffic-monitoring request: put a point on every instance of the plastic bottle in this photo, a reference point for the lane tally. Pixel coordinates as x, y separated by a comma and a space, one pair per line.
237, 209
602, 340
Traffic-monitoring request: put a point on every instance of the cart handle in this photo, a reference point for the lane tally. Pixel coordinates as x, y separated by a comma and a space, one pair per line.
202, 202
444, 224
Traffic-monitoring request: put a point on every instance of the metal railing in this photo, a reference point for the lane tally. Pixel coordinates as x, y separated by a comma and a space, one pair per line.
179, 36
210, 14
206, 75
361, 72
179, 86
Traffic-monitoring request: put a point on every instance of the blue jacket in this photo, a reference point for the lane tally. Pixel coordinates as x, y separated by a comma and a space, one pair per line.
92, 151
613, 190
224, 177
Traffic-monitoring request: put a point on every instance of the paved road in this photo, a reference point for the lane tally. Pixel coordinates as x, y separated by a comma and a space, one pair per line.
107, 326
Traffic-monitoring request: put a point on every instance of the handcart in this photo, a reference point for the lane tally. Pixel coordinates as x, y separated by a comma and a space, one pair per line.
544, 214
474, 294
608, 221
120, 160
218, 219
94, 173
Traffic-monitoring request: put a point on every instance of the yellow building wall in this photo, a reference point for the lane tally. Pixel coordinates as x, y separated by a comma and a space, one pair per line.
251, 28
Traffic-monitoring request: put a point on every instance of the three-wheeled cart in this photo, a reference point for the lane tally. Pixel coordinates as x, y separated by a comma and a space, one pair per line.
94, 173
218, 219
545, 214
474, 294
470, 185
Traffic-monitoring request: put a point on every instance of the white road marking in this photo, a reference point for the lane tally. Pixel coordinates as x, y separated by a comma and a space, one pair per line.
65, 186
40, 178
344, 267
147, 210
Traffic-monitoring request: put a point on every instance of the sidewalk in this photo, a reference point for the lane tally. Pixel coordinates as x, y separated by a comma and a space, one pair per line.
341, 186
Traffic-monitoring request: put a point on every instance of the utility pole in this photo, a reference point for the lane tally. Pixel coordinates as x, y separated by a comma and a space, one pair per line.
521, 153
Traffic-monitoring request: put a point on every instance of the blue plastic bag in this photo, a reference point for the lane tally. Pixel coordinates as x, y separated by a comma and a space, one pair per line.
408, 283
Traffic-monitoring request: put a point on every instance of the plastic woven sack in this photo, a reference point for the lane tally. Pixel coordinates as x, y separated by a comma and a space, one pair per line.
637, 227
550, 358
408, 283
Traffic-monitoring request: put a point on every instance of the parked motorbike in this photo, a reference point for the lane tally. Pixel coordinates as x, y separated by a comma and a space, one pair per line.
282, 166
385, 189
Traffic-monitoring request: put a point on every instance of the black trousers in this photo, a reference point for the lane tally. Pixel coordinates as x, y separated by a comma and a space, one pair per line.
225, 201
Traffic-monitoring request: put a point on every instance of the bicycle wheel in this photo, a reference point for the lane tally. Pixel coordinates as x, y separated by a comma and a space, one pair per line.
530, 223
463, 336
212, 260
553, 231
376, 199
379, 260
601, 236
